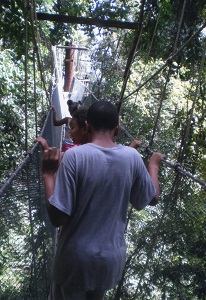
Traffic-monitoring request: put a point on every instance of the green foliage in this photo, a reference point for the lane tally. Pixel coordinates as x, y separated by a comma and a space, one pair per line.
12, 130
106, 86
12, 26
161, 26
15, 30
11, 138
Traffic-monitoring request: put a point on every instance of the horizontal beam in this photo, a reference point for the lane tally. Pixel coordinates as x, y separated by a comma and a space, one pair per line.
72, 47
87, 21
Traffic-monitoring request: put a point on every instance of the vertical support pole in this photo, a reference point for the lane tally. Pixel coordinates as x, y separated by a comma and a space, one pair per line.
69, 69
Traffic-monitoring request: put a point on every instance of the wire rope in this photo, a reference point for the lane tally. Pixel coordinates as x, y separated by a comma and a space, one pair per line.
162, 97
154, 239
150, 47
26, 7
119, 44
179, 27
191, 112
137, 35
36, 47
149, 253
170, 58
35, 94
34, 264
176, 166
154, 32
174, 191
36, 54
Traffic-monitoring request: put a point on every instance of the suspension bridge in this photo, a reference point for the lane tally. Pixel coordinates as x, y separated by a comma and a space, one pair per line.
28, 240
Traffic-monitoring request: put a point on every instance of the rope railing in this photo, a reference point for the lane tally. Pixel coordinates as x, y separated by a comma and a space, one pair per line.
176, 166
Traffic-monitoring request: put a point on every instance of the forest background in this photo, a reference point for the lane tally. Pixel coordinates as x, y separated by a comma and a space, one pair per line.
156, 74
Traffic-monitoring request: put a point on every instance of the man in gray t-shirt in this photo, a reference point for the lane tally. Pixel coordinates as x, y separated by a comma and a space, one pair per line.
89, 197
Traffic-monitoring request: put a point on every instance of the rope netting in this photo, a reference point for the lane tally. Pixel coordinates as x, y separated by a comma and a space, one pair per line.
27, 239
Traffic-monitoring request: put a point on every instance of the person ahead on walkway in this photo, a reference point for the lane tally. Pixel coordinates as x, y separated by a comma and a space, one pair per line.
73, 107
89, 198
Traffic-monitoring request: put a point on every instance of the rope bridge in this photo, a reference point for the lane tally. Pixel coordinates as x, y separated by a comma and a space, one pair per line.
28, 240
166, 243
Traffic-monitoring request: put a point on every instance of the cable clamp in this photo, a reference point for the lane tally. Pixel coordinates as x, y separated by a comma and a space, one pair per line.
148, 150
177, 166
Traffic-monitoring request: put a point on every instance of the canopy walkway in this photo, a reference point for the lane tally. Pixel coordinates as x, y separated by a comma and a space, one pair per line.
28, 240
166, 244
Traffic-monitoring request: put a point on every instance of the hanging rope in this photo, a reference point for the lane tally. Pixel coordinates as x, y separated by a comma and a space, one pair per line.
148, 55
131, 54
36, 47
26, 7
168, 77
168, 60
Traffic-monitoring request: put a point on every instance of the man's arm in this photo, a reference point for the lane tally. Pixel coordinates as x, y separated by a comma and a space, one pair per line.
153, 169
50, 163
135, 144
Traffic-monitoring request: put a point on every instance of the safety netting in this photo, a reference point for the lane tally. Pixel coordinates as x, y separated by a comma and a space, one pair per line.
27, 239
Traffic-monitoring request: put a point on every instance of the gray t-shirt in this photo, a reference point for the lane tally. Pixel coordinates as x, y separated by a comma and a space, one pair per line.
94, 186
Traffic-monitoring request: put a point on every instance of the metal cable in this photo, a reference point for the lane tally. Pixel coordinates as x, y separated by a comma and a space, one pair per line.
131, 54
168, 60
176, 166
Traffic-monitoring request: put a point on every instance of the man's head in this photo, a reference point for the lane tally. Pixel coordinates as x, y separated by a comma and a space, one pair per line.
103, 115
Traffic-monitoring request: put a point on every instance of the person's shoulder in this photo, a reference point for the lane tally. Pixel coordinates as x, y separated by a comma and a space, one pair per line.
77, 149
130, 152
70, 154
129, 149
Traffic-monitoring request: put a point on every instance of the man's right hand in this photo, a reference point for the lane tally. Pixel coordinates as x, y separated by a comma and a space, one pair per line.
50, 161
43, 143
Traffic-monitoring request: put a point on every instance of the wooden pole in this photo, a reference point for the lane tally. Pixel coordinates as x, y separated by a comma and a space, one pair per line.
69, 69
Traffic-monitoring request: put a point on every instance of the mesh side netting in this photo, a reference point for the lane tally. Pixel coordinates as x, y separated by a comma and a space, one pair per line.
27, 238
